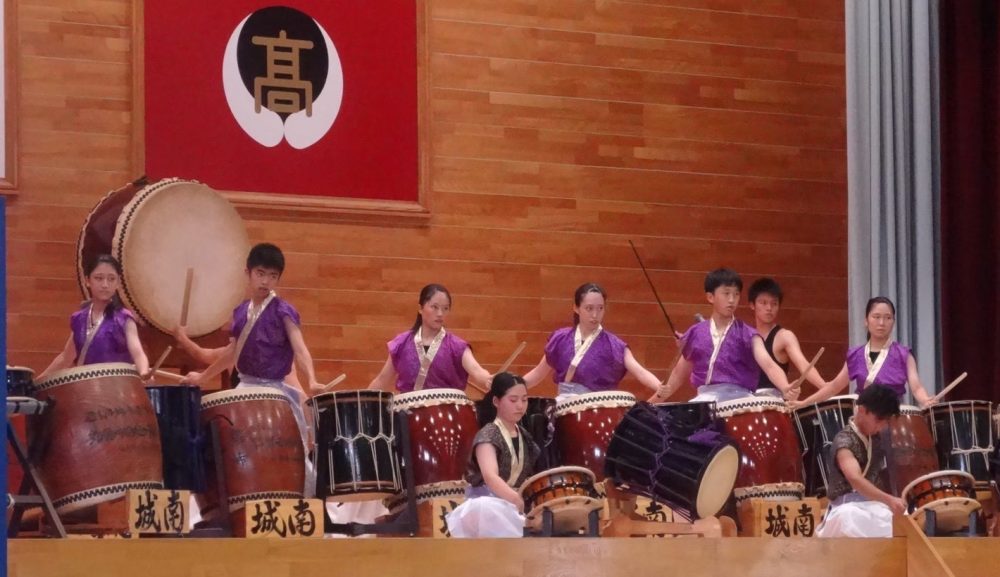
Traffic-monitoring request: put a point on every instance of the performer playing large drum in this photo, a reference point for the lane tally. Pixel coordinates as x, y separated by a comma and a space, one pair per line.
99, 437
157, 231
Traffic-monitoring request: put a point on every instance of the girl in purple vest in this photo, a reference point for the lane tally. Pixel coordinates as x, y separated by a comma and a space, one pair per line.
427, 356
880, 361
103, 330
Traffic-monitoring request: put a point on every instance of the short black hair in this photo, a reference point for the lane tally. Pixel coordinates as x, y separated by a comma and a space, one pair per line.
880, 400
266, 255
722, 277
765, 286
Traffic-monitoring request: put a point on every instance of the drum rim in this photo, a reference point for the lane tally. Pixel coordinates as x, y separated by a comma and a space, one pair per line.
701, 501
815, 408
555, 470
585, 401
944, 473
80, 276
751, 404
429, 398
229, 396
969, 404
13, 368
379, 395
85, 372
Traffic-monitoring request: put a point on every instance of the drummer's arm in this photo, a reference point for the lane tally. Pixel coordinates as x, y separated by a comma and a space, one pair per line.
640, 372
826, 391
198, 353
135, 349
537, 374
62, 361
680, 375
225, 360
384, 380
794, 352
486, 456
303, 359
770, 368
477, 374
916, 387
853, 473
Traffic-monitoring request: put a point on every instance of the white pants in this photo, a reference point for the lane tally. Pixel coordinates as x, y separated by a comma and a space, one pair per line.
720, 393
852, 516
485, 516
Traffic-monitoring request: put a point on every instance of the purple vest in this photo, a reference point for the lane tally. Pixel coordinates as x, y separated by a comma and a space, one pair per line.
445, 372
109, 344
267, 353
893, 373
601, 369
735, 364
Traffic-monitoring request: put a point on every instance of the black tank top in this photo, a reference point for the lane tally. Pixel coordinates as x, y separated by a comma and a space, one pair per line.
763, 382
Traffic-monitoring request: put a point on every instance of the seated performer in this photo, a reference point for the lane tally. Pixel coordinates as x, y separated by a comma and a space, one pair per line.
585, 357
427, 356
723, 356
781, 344
860, 505
503, 456
103, 330
880, 361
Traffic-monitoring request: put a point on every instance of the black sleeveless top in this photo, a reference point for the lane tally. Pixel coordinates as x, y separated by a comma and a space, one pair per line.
763, 382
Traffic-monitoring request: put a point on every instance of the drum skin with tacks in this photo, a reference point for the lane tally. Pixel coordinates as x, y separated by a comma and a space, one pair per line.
159, 230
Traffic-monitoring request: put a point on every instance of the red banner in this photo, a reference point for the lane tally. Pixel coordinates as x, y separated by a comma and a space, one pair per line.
312, 98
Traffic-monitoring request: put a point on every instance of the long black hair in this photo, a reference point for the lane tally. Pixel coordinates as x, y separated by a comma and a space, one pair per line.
871, 304
582, 291
116, 301
426, 294
502, 383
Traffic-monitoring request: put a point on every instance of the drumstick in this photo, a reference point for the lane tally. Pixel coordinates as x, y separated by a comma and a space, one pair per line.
948, 389
334, 382
673, 331
510, 360
168, 375
187, 296
802, 377
159, 361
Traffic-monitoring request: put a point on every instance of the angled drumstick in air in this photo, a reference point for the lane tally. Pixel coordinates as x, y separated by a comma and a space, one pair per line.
169, 376
673, 330
187, 296
798, 382
334, 382
159, 361
948, 389
513, 357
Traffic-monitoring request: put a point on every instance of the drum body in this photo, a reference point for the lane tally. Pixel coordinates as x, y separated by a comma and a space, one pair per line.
355, 435
770, 465
19, 384
442, 425
178, 410
694, 474
569, 492
262, 452
160, 229
818, 424
584, 427
688, 416
950, 494
913, 454
539, 422
99, 436
19, 381
964, 437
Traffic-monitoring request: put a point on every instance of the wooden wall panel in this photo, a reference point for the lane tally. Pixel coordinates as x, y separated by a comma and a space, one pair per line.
709, 132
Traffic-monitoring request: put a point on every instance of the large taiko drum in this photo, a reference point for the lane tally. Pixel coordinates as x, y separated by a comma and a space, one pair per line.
261, 447
99, 436
157, 232
442, 426
770, 467
913, 454
963, 434
584, 427
818, 424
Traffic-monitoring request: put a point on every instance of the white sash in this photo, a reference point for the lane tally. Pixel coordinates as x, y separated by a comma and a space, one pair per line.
91, 331
516, 457
874, 368
426, 357
717, 341
580, 348
252, 316
866, 441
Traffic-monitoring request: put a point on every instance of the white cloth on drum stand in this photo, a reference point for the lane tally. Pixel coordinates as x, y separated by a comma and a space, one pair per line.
483, 515
720, 393
769, 392
569, 390
362, 512
852, 515
292, 394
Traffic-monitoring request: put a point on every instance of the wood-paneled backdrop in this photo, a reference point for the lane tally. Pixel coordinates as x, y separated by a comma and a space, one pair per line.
709, 132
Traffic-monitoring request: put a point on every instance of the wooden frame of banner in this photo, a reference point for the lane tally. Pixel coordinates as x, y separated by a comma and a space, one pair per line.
271, 206
8, 182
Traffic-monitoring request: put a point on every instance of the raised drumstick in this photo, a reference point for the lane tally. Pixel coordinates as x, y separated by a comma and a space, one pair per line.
334, 382
159, 361
510, 360
798, 382
187, 296
168, 375
948, 389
